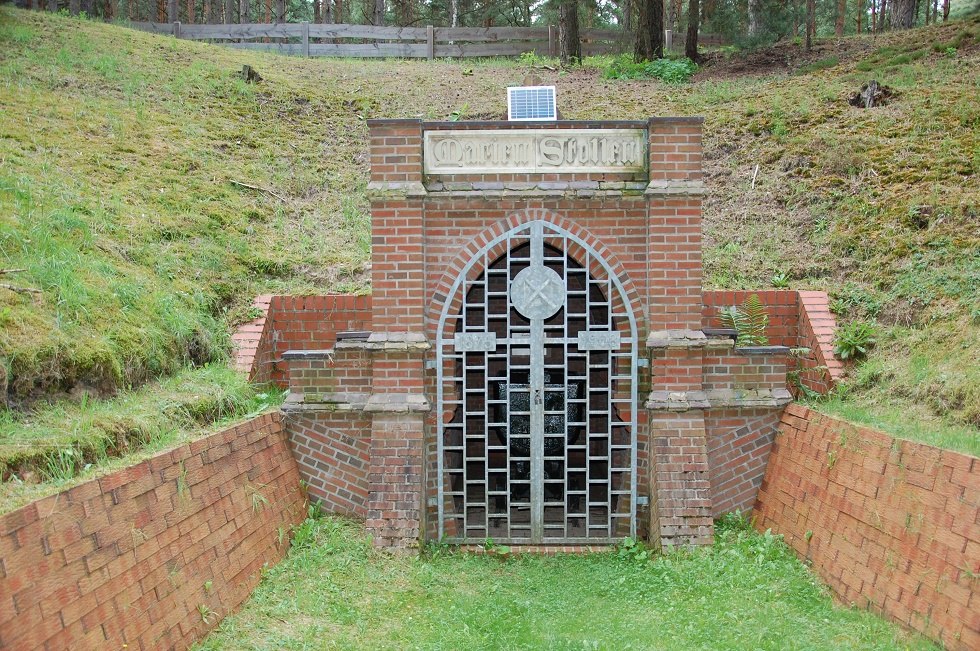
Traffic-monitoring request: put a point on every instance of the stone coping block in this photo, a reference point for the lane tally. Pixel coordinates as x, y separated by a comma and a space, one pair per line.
676, 339
327, 401
669, 187
774, 351
326, 353
379, 190
403, 403
677, 400
749, 397
382, 341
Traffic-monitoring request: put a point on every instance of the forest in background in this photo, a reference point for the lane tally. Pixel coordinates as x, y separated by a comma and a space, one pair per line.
740, 23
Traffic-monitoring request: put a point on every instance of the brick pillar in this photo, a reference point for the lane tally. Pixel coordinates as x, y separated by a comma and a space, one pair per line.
681, 502
395, 475
397, 344
397, 243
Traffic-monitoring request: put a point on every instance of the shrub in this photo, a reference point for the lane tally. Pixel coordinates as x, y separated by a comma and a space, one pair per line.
670, 71
854, 340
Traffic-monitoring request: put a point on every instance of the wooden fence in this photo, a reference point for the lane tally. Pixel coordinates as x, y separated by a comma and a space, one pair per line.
341, 40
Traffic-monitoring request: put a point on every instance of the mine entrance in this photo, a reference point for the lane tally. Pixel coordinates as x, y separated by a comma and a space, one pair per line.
537, 396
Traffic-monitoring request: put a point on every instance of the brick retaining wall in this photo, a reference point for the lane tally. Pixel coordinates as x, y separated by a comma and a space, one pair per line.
887, 524
131, 559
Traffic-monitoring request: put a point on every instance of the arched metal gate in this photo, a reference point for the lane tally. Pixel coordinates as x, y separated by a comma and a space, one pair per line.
536, 360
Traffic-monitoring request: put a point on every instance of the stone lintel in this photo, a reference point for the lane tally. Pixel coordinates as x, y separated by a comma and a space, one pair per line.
402, 403
676, 339
408, 342
381, 190
677, 400
672, 188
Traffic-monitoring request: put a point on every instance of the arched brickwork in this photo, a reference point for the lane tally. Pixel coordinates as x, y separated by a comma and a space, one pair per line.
480, 246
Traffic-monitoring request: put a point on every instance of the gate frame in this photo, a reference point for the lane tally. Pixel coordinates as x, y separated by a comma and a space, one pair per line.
462, 276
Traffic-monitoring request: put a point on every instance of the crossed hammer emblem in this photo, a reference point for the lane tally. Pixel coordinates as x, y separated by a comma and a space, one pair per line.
538, 292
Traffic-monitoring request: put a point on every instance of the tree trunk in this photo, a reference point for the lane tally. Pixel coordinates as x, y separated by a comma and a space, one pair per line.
280, 11
161, 11
190, 12
693, 23
243, 15
841, 13
453, 13
903, 14
811, 23
229, 16
378, 16
404, 12
649, 43
626, 7
945, 10
753, 17
860, 12
569, 43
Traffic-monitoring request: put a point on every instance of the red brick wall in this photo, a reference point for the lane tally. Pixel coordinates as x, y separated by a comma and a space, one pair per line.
125, 559
887, 524
798, 319
739, 441
332, 453
295, 323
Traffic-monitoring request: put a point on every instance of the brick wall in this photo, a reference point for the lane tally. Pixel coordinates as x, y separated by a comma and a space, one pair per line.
887, 524
295, 323
127, 559
332, 451
739, 442
798, 319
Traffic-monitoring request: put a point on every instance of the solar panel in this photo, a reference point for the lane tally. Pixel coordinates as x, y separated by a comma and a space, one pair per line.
531, 103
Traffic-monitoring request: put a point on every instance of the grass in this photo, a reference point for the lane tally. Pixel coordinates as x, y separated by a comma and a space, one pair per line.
119, 153
70, 442
746, 592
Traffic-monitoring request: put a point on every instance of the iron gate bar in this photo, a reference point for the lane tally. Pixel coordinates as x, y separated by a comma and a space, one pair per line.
469, 481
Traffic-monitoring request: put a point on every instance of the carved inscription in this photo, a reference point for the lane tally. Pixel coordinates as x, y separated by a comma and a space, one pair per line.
598, 341
475, 342
549, 151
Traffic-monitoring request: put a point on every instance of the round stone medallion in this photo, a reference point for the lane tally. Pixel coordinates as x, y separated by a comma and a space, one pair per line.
538, 292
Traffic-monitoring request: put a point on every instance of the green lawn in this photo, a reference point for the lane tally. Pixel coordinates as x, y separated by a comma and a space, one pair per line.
747, 592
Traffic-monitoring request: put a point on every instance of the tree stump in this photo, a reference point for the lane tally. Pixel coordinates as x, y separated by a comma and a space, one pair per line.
250, 75
872, 94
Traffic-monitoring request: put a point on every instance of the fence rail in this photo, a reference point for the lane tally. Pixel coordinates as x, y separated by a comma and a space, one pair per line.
342, 40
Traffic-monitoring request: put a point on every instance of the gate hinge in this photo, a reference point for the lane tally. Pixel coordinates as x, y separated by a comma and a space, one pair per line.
431, 364
642, 362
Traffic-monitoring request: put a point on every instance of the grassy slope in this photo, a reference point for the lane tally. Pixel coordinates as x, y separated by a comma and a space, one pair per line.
118, 151
748, 592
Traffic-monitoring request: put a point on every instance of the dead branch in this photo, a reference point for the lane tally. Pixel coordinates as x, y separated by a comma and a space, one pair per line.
19, 290
11, 271
258, 188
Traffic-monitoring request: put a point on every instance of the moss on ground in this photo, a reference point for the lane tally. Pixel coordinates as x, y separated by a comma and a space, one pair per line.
121, 156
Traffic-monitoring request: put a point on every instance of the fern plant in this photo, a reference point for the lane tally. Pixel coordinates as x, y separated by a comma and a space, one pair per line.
749, 320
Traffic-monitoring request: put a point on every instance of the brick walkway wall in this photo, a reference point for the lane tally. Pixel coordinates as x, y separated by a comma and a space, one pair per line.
126, 560
887, 524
